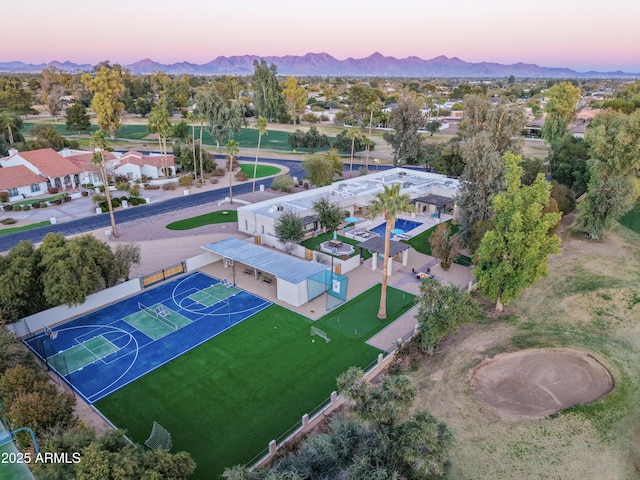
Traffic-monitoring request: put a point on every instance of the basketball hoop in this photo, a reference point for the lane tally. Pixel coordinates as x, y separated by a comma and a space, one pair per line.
50, 333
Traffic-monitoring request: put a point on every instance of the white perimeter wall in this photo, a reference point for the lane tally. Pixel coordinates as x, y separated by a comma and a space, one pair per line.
54, 315
201, 260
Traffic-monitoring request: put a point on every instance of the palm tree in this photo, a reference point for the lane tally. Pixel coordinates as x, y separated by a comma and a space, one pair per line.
388, 203
353, 133
99, 141
201, 118
371, 107
191, 120
233, 148
9, 121
261, 125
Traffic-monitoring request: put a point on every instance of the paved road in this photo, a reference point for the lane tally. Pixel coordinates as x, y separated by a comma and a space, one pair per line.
93, 222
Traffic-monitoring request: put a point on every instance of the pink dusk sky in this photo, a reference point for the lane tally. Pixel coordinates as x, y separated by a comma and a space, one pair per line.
582, 35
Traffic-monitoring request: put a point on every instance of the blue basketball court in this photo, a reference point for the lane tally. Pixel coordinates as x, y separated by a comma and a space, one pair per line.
111, 347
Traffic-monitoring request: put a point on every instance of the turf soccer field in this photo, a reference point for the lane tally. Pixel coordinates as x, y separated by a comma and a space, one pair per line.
226, 399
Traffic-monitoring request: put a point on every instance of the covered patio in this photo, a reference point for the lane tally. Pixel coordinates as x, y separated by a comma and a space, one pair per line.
376, 247
268, 266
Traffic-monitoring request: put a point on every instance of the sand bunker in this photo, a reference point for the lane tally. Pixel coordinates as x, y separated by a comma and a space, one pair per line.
537, 383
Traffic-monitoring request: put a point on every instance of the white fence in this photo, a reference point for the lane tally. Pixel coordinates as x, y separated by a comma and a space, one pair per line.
61, 313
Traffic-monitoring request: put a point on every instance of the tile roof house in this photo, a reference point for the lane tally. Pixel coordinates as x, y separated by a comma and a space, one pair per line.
59, 171
21, 182
133, 165
84, 160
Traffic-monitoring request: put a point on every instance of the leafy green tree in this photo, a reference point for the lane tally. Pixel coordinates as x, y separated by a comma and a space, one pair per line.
445, 246
359, 101
405, 120
389, 203
78, 118
295, 97
16, 99
482, 178
614, 139
442, 308
52, 91
125, 256
531, 167
232, 149
331, 214
501, 123
289, 229
261, 126
267, 98
560, 110
13, 352
21, 292
514, 254
608, 198
568, 163
321, 168
108, 89
223, 119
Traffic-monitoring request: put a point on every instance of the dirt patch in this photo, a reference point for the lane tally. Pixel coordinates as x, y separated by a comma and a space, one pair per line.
536, 383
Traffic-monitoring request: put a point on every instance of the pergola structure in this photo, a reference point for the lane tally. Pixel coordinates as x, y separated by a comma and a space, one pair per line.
439, 203
376, 246
290, 273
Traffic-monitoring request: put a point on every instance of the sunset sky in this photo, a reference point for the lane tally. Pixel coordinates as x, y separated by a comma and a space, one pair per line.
583, 35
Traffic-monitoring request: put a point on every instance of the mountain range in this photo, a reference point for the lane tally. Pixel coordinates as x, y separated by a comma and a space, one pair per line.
323, 64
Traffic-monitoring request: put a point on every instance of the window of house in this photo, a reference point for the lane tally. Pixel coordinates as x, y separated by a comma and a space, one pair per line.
13, 192
35, 187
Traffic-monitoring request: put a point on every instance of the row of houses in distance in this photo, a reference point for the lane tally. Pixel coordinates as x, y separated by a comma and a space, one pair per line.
35, 172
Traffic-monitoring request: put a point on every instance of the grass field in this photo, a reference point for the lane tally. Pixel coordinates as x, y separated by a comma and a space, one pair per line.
261, 171
589, 301
7, 231
219, 216
313, 243
225, 400
632, 218
421, 243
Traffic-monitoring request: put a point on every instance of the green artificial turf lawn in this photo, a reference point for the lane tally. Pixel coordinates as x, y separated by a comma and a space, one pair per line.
225, 400
420, 243
7, 231
37, 200
631, 219
261, 171
219, 216
313, 243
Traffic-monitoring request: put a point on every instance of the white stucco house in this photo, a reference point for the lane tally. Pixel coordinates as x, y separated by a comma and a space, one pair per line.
20, 182
57, 170
134, 165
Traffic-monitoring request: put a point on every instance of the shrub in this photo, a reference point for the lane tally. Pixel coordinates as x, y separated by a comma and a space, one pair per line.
310, 117
169, 186
84, 193
36, 205
186, 180
124, 186
214, 181
241, 176
57, 201
134, 191
8, 221
235, 164
52, 190
8, 208
283, 183
26, 207
218, 172
66, 198
89, 185
4, 197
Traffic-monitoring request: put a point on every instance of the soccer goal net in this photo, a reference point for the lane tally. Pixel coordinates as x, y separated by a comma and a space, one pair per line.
320, 333
160, 438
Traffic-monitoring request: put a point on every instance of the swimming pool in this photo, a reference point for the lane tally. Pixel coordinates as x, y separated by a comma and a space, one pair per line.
402, 224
